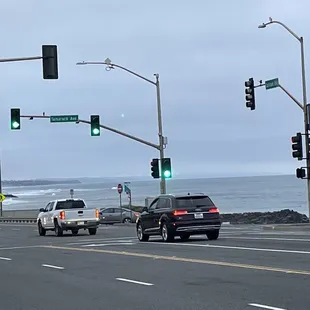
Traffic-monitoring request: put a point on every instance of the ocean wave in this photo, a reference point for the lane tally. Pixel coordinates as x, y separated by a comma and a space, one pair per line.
11, 201
41, 192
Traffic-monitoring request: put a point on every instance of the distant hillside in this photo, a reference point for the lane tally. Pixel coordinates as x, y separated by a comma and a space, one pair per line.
38, 182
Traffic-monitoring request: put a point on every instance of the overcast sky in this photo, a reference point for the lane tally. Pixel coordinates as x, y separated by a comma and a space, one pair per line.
203, 50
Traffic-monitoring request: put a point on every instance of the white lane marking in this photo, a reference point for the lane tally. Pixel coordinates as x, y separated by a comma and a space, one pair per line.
265, 307
21, 247
231, 247
52, 266
95, 240
135, 282
105, 244
277, 239
5, 258
15, 229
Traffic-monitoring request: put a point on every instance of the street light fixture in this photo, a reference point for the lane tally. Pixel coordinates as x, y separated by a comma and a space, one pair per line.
162, 144
304, 92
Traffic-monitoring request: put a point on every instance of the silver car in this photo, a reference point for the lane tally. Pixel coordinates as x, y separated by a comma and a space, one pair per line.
113, 215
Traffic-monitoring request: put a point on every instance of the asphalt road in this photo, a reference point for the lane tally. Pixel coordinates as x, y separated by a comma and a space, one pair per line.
246, 268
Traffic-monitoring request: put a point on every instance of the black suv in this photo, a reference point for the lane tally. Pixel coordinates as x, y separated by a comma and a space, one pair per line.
179, 215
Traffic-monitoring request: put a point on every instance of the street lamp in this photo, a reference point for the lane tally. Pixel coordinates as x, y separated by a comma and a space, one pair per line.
162, 143
304, 92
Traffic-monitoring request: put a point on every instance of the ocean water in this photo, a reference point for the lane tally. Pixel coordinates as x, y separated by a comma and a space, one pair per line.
240, 194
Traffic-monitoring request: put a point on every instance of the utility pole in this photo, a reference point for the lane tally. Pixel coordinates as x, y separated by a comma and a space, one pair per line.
304, 95
160, 136
162, 144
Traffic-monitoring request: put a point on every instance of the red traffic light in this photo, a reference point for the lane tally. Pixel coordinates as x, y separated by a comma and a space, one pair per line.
297, 138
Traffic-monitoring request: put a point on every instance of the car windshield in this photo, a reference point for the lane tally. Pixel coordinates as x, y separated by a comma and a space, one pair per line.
194, 201
70, 204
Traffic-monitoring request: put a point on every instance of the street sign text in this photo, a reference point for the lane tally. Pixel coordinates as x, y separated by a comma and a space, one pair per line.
64, 118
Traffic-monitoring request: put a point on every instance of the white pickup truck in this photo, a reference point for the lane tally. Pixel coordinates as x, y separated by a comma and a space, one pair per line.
67, 214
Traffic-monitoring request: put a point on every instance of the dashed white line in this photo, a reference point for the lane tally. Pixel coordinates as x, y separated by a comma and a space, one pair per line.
5, 258
81, 241
16, 229
135, 282
105, 244
52, 266
275, 239
265, 307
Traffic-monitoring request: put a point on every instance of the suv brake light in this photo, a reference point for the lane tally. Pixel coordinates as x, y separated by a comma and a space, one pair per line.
179, 212
62, 215
97, 213
214, 210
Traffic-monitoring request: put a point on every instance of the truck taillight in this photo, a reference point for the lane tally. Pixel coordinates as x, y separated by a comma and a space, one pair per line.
97, 213
62, 215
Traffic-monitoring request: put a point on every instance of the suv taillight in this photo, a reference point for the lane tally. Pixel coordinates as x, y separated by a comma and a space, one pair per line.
62, 215
214, 210
179, 212
97, 213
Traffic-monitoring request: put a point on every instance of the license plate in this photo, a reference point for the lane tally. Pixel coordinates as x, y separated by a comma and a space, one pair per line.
198, 215
80, 223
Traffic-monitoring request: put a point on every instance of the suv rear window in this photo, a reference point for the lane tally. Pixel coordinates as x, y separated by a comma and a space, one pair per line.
70, 204
194, 202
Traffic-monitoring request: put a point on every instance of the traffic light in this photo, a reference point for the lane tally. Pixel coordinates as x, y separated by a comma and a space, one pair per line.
300, 173
250, 94
50, 62
15, 119
95, 125
297, 146
166, 168
155, 168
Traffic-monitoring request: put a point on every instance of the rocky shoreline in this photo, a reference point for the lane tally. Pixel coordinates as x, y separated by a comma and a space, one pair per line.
285, 216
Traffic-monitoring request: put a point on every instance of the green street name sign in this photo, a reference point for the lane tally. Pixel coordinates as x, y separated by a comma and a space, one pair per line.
272, 83
64, 118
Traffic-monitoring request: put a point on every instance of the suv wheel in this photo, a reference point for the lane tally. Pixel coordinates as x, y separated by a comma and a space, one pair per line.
141, 236
213, 234
166, 234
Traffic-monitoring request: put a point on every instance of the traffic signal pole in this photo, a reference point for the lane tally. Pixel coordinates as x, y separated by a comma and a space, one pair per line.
160, 136
162, 144
304, 93
124, 134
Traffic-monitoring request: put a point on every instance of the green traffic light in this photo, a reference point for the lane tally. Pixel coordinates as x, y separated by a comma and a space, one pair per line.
96, 131
167, 174
15, 124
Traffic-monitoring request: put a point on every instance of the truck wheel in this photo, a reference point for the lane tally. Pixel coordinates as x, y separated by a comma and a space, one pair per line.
58, 230
42, 231
92, 231
213, 234
127, 220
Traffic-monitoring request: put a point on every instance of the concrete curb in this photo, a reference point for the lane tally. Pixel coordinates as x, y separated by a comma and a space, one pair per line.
287, 227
